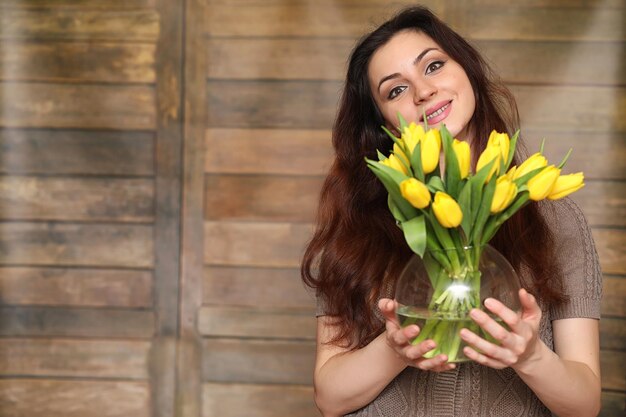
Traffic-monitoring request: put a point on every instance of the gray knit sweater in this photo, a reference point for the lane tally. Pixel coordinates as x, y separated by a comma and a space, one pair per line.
478, 391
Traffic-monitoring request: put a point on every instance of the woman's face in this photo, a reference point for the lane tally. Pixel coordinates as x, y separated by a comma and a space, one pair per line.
412, 75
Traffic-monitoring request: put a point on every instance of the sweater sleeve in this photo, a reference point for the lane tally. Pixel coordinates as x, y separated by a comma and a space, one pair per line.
578, 260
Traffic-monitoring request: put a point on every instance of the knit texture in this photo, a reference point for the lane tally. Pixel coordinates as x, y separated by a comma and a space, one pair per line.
477, 391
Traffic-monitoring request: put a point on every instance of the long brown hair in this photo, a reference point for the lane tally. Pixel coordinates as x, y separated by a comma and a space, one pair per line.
356, 245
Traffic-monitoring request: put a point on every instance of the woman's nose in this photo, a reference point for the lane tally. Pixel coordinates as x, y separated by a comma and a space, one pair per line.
423, 92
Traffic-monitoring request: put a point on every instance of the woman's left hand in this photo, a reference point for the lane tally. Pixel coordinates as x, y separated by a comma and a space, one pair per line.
517, 345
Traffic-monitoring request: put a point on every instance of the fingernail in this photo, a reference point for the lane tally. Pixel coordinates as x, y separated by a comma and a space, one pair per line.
474, 314
489, 302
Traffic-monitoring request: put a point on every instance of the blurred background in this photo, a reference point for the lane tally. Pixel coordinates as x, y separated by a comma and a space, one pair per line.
160, 163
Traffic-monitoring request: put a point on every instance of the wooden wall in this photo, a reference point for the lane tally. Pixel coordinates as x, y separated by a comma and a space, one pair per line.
160, 163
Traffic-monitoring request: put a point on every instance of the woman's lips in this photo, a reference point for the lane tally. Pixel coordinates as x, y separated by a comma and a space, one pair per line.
438, 112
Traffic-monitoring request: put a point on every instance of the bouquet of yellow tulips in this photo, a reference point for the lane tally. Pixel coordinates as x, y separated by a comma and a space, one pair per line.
451, 214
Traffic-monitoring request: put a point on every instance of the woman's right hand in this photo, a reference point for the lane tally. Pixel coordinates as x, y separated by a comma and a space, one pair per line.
399, 338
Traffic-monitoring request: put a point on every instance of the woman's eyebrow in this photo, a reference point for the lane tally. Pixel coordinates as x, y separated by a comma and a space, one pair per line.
415, 61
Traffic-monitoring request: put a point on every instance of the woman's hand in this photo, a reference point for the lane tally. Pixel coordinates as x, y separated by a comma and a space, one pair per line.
517, 345
399, 338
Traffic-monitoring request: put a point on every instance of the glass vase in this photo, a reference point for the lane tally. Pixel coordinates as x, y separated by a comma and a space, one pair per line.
438, 292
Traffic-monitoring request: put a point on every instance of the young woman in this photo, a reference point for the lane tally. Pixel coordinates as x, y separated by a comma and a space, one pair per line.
549, 359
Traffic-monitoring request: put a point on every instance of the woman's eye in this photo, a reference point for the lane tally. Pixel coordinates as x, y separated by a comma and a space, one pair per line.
434, 66
395, 91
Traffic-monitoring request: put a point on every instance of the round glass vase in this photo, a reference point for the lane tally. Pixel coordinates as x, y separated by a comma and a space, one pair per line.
438, 292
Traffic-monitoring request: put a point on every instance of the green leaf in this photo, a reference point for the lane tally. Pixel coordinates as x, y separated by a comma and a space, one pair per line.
381, 156
453, 171
465, 202
521, 181
436, 184
393, 137
395, 211
483, 211
565, 158
403, 122
391, 180
495, 222
416, 162
415, 234
512, 146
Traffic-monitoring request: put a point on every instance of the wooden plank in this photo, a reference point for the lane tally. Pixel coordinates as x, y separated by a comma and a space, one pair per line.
312, 105
603, 202
504, 22
255, 287
254, 244
260, 198
59, 152
80, 24
272, 104
45, 398
56, 61
599, 155
269, 151
88, 199
286, 59
300, 20
517, 61
258, 361
76, 244
612, 365
611, 245
613, 404
228, 400
79, 287
81, 106
76, 322
613, 333
74, 358
613, 300
571, 108
266, 323
111, 4
617, 4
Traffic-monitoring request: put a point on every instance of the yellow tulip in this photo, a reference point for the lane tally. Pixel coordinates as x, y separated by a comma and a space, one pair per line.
400, 154
502, 141
540, 186
506, 190
447, 211
462, 152
412, 135
395, 163
566, 184
533, 162
415, 192
489, 154
511, 173
431, 150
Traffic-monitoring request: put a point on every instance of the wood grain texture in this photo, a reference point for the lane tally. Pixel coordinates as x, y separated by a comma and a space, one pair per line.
45, 398
612, 365
58, 61
254, 244
111, 4
531, 62
74, 358
272, 104
280, 59
85, 199
613, 404
77, 287
258, 361
59, 152
616, 4
603, 202
613, 300
254, 197
256, 322
255, 287
312, 105
77, 24
76, 322
611, 246
267, 151
260, 400
513, 22
76, 244
300, 20
612, 333
82, 106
